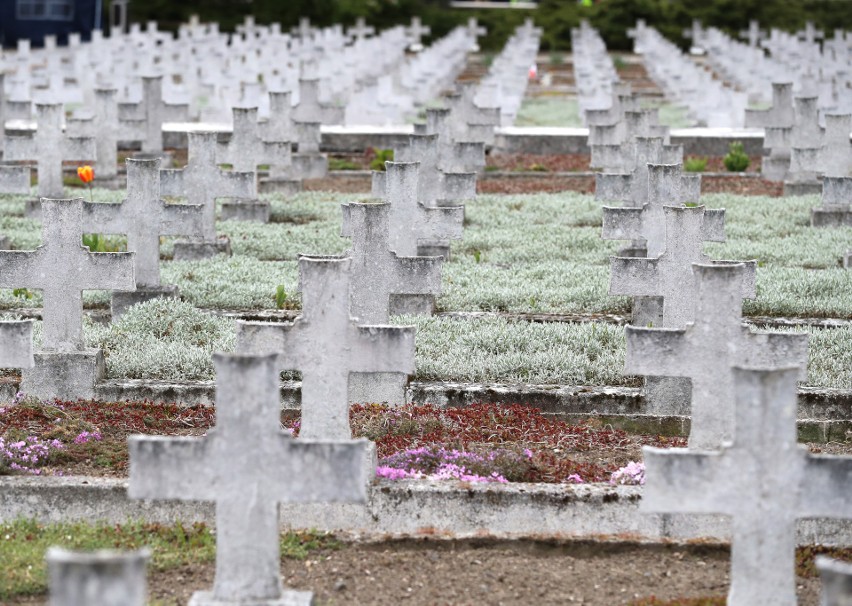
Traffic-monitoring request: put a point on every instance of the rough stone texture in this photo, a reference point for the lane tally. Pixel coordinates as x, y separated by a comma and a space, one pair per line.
836, 209
836, 581
415, 508
325, 344
376, 271
62, 268
14, 179
49, 147
195, 251
201, 182
245, 210
279, 126
764, 481
16, 344
247, 465
144, 217
100, 578
836, 153
67, 375
708, 349
667, 275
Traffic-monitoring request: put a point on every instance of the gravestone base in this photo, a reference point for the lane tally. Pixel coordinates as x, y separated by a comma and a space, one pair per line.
775, 168
167, 158
434, 249
831, 217
411, 305
275, 185
668, 396
310, 166
123, 300
288, 598
377, 388
240, 209
194, 251
847, 259
802, 188
647, 312
64, 375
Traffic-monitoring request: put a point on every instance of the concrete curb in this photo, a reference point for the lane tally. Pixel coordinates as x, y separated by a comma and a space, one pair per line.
411, 509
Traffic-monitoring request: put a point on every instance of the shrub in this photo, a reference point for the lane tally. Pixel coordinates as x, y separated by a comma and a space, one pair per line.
381, 156
736, 160
695, 165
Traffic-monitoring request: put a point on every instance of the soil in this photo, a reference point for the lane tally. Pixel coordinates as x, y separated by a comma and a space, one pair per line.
432, 572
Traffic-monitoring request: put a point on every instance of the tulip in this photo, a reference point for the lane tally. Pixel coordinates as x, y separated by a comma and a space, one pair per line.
86, 174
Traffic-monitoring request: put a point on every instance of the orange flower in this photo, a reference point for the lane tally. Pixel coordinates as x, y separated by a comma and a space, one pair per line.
86, 174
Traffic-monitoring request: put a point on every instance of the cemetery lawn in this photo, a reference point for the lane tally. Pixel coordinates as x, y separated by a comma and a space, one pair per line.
404, 571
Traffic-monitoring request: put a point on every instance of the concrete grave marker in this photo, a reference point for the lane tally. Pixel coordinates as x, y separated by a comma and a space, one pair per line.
764, 481
836, 154
154, 111
144, 217
100, 578
310, 109
247, 454
62, 268
836, 209
836, 579
707, 350
49, 148
201, 182
327, 346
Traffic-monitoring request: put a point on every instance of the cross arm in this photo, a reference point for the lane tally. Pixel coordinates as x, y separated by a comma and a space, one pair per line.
749, 276
172, 181
680, 481
131, 130
771, 349
20, 148
17, 268
442, 222
825, 487
131, 111
111, 271
382, 349
634, 276
14, 179
78, 148
223, 153
417, 275
335, 471
713, 228
170, 468
623, 223
613, 187
182, 220
259, 338
236, 184
175, 112
104, 217
662, 352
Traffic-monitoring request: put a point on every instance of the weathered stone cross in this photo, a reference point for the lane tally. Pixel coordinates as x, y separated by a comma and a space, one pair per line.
753, 34
836, 154
435, 187
201, 181
416, 31
48, 147
377, 272
708, 349
309, 108
247, 465
144, 217
780, 115
764, 481
325, 344
154, 111
361, 30
246, 150
279, 126
670, 275
62, 268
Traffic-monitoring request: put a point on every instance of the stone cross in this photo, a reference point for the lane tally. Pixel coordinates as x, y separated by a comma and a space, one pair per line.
764, 481
144, 217
665, 187
377, 272
810, 34
62, 268
669, 275
247, 465
435, 187
201, 181
310, 109
154, 111
836, 153
474, 29
49, 148
780, 115
14, 179
836, 209
410, 221
631, 189
247, 150
361, 30
695, 33
325, 344
707, 350
416, 31
100, 578
753, 34
279, 126
836, 581
16, 344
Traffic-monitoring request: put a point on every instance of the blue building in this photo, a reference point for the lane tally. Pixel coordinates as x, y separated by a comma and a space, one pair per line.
35, 19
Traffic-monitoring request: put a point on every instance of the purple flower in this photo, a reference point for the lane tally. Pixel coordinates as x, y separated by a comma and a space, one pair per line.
633, 474
86, 437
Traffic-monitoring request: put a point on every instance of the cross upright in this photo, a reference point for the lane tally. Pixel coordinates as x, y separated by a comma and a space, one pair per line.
764, 482
144, 217
836, 153
810, 34
435, 187
377, 272
474, 29
326, 345
201, 181
753, 34
647, 223
62, 268
695, 33
49, 147
154, 111
780, 115
410, 222
361, 30
631, 189
416, 31
16, 344
310, 109
279, 126
670, 275
707, 350
246, 150
247, 465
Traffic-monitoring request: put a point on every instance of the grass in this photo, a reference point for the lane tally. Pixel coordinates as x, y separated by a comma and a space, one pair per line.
23, 544
549, 111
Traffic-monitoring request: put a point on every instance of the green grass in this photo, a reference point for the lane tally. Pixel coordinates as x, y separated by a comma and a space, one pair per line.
23, 544
549, 111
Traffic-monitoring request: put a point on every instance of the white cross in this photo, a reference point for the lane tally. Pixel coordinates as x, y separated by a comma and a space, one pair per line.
154, 111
